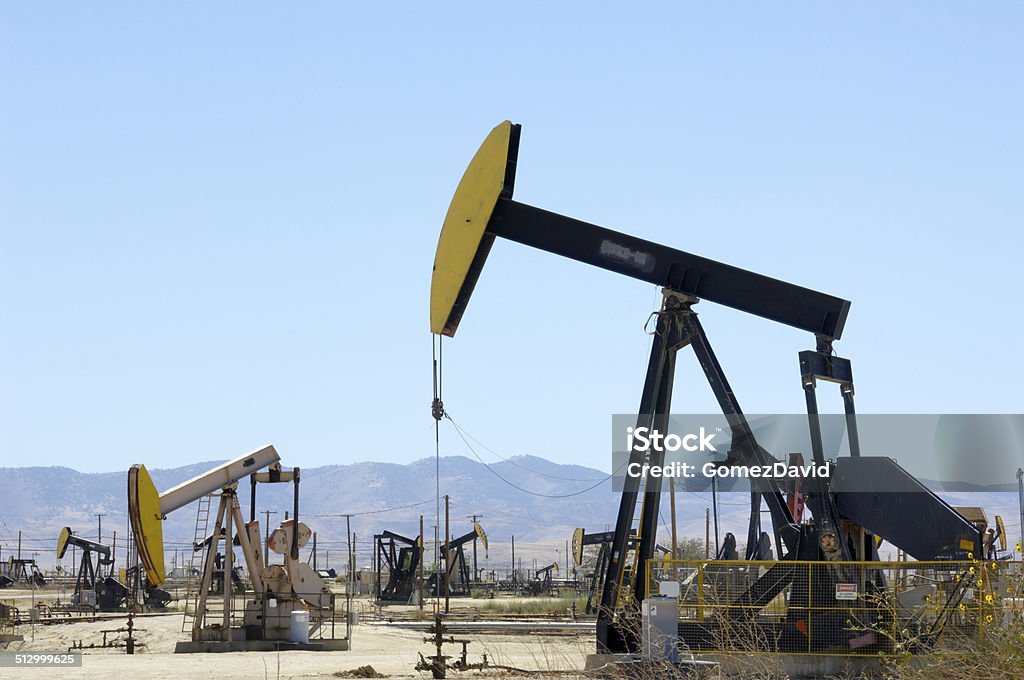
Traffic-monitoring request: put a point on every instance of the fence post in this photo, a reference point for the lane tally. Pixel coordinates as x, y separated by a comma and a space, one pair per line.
810, 604
700, 591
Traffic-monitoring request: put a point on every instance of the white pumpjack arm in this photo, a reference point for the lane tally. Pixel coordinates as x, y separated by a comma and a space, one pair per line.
227, 474
147, 507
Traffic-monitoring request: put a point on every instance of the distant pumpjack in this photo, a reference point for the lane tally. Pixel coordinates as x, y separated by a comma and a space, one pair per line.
401, 557
92, 587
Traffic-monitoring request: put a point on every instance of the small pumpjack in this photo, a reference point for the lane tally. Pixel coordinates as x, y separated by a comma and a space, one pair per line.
152, 596
580, 540
217, 578
277, 590
455, 569
993, 537
93, 589
542, 582
401, 556
22, 571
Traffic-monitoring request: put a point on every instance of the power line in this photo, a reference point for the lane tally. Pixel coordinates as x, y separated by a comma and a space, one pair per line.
10, 536
515, 486
522, 467
371, 512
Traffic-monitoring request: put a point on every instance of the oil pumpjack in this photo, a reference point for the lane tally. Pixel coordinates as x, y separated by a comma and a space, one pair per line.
846, 514
93, 588
279, 591
401, 557
580, 540
454, 568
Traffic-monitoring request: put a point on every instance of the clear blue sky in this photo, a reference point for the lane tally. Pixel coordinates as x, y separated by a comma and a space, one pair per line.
218, 223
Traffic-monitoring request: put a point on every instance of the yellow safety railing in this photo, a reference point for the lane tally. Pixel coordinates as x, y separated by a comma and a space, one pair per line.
841, 608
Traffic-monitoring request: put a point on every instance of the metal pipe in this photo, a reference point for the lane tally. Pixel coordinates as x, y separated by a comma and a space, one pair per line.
447, 558
295, 517
851, 419
252, 497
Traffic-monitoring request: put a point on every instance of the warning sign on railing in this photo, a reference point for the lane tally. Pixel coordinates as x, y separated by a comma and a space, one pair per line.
846, 591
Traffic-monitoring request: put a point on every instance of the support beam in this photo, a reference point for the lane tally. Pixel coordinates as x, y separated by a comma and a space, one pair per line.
667, 267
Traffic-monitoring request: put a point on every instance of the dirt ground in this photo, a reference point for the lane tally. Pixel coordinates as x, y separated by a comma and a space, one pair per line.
390, 650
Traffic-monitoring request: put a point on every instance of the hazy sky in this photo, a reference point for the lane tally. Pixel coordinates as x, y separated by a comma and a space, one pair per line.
218, 223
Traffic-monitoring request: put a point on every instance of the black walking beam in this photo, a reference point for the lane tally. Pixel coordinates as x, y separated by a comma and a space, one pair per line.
482, 209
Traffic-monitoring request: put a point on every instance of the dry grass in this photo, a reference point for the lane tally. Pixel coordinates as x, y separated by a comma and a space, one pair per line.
546, 606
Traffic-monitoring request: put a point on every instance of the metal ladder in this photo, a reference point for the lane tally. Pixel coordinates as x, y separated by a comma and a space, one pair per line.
194, 577
624, 593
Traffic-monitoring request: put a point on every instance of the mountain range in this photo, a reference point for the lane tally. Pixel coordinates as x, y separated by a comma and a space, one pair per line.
537, 501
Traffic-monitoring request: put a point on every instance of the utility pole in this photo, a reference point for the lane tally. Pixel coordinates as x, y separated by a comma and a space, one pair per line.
513, 560
314, 551
266, 537
475, 572
423, 553
349, 577
707, 533
714, 505
99, 530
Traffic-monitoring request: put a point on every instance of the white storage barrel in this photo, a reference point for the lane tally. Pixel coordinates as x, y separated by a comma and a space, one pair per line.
300, 627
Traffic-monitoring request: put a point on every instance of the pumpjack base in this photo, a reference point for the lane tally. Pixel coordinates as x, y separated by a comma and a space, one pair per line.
190, 647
